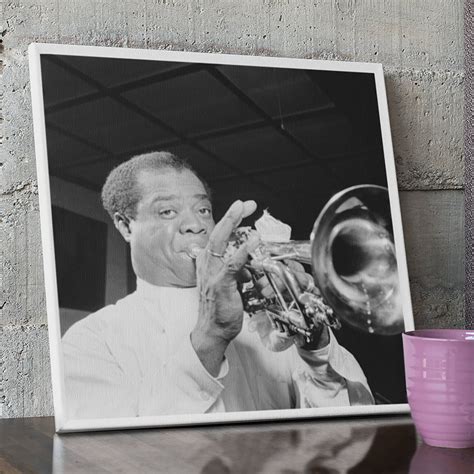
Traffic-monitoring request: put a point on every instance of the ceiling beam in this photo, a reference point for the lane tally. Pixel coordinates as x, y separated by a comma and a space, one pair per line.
276, 125
155, 120
211, 134
121, 88
74, 136
289, 166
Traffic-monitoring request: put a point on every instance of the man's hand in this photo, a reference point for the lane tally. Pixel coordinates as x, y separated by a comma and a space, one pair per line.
220, 309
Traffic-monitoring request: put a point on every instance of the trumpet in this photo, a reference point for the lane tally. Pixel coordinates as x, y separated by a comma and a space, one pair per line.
352, 255
292, 309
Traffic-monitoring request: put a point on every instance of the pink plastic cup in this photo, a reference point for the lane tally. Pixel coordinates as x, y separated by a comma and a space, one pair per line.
439, 372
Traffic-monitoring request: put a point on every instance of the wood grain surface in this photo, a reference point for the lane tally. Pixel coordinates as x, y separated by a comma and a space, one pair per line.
357, 445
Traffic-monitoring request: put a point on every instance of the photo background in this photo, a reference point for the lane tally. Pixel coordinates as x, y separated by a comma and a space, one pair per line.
289, 139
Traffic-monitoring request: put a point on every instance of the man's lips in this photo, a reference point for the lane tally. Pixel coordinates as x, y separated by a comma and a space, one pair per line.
191, 249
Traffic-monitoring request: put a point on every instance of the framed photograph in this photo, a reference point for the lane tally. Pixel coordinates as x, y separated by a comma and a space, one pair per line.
221, 235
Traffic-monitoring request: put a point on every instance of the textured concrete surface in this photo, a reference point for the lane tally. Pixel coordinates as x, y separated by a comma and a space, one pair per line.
433, 225
426, 110
420, 44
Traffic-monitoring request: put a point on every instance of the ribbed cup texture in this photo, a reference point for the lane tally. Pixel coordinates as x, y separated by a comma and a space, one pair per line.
439, 371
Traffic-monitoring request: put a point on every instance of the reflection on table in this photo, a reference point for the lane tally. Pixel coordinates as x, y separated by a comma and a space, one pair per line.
428, 459
341, 446
385, 444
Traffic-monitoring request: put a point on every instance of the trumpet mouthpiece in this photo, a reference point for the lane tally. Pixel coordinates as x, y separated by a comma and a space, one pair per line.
193, 251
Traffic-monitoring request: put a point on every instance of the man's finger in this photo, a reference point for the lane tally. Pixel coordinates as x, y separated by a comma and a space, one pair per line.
264, 287
249, 208
224, 228
304, 279
234, 265
294, 265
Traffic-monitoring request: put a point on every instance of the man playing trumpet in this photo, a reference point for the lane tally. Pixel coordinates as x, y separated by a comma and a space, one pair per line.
181, 343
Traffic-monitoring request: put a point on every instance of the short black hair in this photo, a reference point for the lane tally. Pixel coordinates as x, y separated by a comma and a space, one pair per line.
120, 193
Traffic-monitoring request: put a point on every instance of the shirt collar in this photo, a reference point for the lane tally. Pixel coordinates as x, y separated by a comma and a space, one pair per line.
149, 291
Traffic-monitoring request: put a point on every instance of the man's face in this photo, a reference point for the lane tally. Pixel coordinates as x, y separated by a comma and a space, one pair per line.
173, 213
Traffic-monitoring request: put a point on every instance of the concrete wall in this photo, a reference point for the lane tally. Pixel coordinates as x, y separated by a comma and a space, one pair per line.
420, 44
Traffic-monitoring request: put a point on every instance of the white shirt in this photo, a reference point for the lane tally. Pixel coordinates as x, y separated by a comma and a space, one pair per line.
135, 358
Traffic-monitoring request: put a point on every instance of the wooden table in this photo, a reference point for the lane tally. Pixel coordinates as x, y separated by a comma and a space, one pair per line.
355, 445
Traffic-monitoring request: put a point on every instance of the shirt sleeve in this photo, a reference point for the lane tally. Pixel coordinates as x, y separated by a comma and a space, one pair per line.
185, 386
95, 384
98, 385
330, 376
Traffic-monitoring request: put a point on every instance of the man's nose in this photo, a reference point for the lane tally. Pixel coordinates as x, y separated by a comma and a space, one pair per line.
191, 223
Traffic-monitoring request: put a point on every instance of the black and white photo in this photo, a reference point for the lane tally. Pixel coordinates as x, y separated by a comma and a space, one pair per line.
221, 235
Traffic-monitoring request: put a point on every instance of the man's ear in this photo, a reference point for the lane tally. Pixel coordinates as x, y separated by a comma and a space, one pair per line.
122, 224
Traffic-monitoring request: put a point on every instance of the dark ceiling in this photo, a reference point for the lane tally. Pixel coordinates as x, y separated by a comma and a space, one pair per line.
287, 138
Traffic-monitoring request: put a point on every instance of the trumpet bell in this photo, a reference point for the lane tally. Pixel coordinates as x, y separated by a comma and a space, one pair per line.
354, 261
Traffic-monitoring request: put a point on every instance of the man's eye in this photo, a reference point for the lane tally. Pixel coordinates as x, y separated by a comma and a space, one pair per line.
168, 213
205, 211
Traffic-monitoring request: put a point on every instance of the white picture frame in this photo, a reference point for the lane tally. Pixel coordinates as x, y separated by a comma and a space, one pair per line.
63, 424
